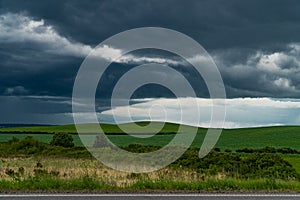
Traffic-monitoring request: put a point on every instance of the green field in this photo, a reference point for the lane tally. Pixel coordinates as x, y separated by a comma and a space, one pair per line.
278, 136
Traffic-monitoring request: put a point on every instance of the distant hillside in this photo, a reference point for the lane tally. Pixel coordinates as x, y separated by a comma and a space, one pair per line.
93, 128
277, 136
21, 125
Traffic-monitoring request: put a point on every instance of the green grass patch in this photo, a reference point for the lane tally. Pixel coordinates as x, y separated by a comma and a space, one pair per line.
219, 185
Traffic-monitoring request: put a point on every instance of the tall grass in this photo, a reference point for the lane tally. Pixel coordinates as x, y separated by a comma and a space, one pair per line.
87, 174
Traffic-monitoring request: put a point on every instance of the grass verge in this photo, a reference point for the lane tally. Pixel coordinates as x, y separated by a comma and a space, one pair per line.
89, 183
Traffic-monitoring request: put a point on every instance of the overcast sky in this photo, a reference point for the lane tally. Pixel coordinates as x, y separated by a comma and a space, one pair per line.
255, 44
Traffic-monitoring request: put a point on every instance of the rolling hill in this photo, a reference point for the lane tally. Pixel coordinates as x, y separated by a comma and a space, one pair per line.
277, 136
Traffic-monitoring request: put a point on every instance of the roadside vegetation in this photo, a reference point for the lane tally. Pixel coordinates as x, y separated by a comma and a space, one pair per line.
30, 164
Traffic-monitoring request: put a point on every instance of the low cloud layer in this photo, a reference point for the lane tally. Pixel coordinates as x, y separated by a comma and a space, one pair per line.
240, 112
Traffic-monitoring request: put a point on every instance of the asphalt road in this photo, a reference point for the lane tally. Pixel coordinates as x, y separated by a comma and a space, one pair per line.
150, 197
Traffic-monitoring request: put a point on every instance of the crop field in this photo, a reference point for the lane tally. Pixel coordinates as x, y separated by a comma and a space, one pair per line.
279, 137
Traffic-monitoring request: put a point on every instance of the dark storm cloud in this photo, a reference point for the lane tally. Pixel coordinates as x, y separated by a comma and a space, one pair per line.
214, 23
261, 73
255, 43
37, 72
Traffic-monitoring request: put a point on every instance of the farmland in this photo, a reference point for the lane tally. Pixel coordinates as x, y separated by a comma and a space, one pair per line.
278, 136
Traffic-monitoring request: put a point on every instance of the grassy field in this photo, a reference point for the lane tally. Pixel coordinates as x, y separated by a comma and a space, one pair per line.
281, 136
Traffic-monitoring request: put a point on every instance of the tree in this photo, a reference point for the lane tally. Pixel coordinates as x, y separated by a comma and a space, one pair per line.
101, 142
62, 139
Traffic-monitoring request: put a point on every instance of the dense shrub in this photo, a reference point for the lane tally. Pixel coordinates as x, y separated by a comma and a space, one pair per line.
245, 150
257, 165
138, 148
287, 151
212, 164
62, 139
27, 145
31, 146
228, 151
267, 166
269, 150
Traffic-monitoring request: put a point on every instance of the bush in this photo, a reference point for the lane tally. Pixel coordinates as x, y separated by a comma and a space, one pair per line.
138, 148
267, 166
269, 150
31, 146
28, 145
62, 139
255, 166
288, 151
245, 150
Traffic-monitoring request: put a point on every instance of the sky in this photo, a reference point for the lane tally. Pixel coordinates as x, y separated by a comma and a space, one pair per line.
254, 43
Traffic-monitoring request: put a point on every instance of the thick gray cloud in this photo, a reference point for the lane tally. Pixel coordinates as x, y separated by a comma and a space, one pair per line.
216, 24
262, 73
41, 38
